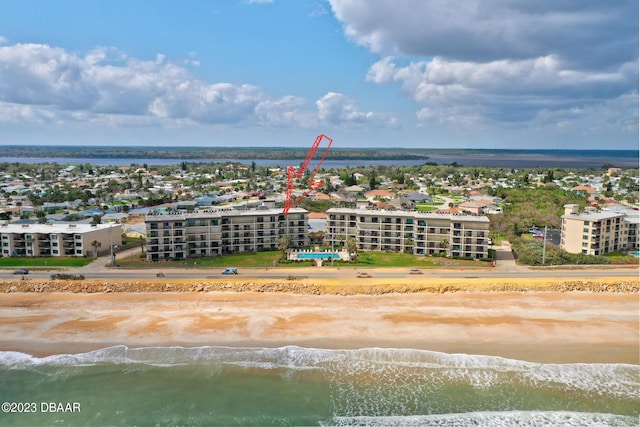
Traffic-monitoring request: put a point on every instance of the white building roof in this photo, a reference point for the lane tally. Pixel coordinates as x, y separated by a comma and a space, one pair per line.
53, 228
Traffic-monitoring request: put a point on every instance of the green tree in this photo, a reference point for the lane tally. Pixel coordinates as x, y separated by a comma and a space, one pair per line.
352, 247
95, 245
284, 242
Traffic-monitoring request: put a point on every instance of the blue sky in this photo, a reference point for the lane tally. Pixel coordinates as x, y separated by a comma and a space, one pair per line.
388, 73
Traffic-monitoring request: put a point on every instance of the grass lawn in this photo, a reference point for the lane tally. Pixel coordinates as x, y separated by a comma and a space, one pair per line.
255, 259
267, 259
44, 262
618, 257
436, 203
392, 259
427, 207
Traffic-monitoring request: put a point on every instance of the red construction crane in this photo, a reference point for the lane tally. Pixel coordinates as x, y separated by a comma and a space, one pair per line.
292, 174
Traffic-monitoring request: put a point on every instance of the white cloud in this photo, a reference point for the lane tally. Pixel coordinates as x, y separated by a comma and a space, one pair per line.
500, 62
503, 91
337, 108
588, 31
284, 112
43, 84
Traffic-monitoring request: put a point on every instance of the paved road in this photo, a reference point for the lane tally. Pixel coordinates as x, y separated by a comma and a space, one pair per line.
506, 267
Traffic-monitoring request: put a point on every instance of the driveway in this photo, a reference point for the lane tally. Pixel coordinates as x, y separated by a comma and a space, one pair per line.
505, 260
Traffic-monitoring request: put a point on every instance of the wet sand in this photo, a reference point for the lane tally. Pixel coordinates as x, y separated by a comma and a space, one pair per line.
539, 326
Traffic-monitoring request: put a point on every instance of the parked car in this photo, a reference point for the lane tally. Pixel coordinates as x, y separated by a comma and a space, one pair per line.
363, 275
415, 271
21, 271
230, 271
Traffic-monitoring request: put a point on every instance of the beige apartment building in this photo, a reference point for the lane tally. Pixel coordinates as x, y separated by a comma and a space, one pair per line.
34, 240
599, 232
218, 232
413, 232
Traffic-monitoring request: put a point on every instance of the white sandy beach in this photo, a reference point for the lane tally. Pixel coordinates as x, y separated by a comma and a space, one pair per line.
550, 327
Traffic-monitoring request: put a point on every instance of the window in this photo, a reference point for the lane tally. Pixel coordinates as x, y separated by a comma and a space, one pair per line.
215, 221
191, 222
203, 222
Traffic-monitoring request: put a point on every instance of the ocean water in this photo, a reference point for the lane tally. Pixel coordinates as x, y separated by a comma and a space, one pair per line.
177, 386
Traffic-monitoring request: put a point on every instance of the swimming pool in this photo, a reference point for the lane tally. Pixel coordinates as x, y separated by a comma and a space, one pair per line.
318, 255
635, 254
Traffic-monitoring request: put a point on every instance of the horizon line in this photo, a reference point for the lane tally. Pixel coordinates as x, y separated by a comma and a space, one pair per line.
264, 147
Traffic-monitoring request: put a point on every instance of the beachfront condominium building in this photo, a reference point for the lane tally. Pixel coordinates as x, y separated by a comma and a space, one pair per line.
58, 240
419, 233
218, 232
595, 232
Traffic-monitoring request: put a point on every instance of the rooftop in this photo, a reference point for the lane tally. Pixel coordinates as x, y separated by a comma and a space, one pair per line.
53, 228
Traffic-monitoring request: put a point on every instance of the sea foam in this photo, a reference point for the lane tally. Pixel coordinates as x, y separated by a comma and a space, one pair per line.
493, 419
377, 364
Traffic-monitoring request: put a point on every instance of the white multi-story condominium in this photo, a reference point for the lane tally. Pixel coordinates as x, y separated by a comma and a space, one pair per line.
218, 232
413, 232
58, 239
599, 232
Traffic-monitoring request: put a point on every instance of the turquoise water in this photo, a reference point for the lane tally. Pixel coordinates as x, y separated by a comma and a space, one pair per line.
317, 255
303, 386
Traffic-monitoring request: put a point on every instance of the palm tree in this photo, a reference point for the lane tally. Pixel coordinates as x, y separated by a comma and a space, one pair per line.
283, 243
142, 241
352, 247
95, 245
444, 244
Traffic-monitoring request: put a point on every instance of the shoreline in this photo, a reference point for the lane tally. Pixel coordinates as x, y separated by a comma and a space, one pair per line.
546, 321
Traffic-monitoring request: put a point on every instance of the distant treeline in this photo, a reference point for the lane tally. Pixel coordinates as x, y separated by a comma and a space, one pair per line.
231, 153
282, 153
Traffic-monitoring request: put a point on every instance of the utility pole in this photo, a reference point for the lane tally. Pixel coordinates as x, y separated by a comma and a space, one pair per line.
544, 244
111, 244
332, 248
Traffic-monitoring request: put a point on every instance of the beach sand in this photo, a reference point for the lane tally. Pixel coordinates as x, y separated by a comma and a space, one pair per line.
539, 324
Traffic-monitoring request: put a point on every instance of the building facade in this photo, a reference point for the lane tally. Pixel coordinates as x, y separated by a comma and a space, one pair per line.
218, 232
413, 232
34, 240
599, 232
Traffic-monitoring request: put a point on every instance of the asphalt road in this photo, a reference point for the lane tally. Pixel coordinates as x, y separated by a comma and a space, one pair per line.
506, 268
343, 273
